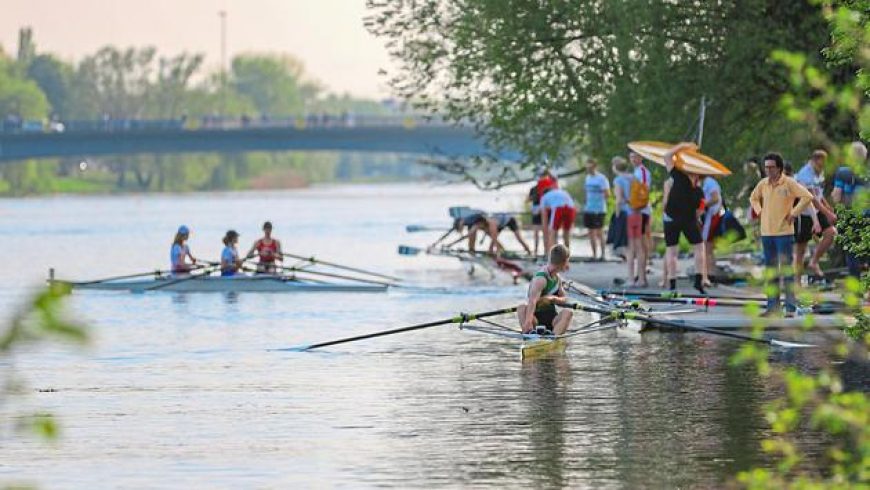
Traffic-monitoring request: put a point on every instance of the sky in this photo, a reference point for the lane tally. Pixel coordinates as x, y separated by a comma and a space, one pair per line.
327, 35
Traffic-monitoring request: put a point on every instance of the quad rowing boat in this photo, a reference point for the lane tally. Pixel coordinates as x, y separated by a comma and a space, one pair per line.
263, 283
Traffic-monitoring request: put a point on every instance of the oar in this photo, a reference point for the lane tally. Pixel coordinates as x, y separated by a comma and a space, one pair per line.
330, 274
118, 278
418, 228
315, 260
204, 271
409, 250
674, 294
633, 315
463, 318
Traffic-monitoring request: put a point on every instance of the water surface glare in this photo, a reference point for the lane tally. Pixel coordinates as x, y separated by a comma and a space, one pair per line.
187, 391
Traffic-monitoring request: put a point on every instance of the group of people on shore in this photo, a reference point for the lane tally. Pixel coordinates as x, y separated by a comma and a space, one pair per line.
789, 211
266, 248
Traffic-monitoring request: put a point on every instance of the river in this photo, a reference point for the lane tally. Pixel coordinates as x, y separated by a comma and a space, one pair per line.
185, 391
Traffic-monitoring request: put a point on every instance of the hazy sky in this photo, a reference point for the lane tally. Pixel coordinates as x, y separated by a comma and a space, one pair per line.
327, 35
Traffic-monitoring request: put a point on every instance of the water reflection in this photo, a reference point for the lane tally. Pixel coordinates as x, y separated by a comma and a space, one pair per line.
544, 383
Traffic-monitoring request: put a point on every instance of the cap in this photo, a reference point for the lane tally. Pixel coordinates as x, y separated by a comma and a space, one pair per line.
183, 230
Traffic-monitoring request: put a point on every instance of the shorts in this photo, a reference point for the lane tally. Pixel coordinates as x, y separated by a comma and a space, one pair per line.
634, 225
536, 218
690, 228
593, 221
563, 218
803, 227
511, 225
545, 316
713, 231
644, 223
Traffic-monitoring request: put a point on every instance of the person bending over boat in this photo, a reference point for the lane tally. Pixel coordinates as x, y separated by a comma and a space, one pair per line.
230, 261
545, 293
558, 212
492, 226
180, 252
268, 249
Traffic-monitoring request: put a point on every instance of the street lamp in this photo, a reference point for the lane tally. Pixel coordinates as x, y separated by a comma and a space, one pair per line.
223, 15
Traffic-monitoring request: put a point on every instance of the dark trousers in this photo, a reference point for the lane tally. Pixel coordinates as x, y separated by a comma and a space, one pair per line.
778, 252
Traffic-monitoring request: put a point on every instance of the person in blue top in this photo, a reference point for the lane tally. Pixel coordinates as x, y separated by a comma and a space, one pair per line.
597, 192
230, 261
180, 252
847, 185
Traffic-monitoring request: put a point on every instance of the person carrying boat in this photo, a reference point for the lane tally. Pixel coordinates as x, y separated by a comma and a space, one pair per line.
180, 252
773, 201
268, 249
230, 261
597, 193
558, 212
545, 293
684, 202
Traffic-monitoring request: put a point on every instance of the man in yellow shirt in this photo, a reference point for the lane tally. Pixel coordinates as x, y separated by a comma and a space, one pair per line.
773, 200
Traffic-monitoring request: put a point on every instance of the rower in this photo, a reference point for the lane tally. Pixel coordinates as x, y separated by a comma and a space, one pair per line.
545, 292
268, 249
180, 252
230, 261
492, 226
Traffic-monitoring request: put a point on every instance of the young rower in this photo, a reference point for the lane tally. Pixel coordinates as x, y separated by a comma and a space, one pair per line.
268, 249
180, 252
230, 261
545, 293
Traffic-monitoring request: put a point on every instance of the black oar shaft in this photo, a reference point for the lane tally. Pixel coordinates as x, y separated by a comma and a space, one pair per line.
630, 315
457, 319
315, 260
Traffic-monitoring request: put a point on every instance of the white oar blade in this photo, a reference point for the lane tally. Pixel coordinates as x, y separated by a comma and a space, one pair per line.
790, 345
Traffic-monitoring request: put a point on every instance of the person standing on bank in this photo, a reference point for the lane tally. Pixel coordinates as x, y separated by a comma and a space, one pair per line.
597, 193
643, 176
534, 201
773, 199
622, 185
709, 230
816, 219
684, 200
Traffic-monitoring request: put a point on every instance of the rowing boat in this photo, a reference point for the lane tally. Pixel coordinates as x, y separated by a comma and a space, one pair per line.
262, 283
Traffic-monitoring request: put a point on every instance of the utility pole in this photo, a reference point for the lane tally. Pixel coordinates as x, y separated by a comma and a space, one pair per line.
223, 16
701, 121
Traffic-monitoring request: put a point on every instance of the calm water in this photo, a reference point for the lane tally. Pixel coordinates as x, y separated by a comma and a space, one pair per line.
183, 392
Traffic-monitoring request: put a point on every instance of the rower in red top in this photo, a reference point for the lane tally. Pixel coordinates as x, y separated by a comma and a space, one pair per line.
268, 249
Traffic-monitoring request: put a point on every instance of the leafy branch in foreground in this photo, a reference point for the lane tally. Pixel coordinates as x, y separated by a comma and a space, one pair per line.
821, 400
41, 319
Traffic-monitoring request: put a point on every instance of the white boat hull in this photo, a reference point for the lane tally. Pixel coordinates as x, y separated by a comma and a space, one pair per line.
216, 284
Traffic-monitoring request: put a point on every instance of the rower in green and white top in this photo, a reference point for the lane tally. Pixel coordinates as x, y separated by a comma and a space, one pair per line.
545, 293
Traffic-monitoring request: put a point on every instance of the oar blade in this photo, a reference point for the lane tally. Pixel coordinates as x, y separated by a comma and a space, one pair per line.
409, 250
419, 228
790, 345
293, 348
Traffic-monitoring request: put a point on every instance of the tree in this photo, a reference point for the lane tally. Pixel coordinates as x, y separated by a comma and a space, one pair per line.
274, 83
553, 76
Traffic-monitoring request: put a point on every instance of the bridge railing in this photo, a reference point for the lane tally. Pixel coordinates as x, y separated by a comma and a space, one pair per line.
18, 126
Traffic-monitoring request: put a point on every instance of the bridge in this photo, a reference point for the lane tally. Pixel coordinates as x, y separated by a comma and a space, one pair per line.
374, 135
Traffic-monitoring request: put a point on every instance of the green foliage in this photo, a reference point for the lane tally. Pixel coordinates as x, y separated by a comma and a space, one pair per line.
19, 95
273, 83
41, 319
558, 76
